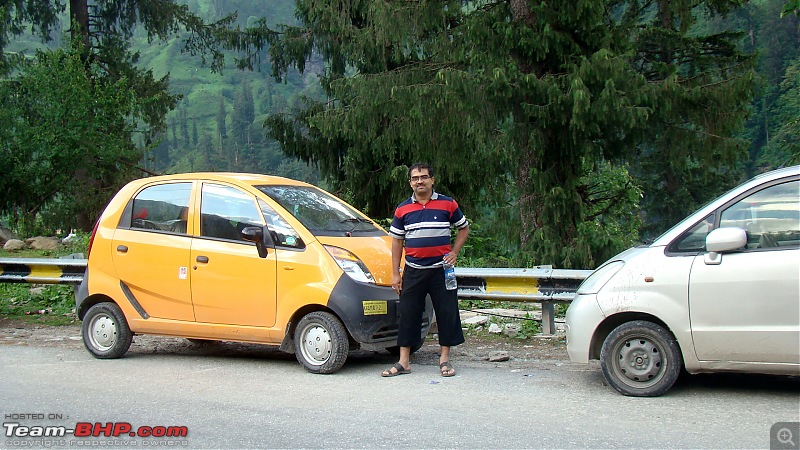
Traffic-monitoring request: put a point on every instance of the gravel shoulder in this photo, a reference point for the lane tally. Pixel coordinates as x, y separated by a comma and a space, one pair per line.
480, 348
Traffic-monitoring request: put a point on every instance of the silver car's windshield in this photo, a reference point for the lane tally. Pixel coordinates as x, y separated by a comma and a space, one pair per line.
321, 213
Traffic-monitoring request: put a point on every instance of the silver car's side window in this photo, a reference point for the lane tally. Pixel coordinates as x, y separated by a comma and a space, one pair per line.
693, 240
161, 208
226, 211
771, 216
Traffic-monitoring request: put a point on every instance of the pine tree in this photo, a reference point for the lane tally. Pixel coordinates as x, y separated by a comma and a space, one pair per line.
703, 86
101, 32
222, 135
513, 101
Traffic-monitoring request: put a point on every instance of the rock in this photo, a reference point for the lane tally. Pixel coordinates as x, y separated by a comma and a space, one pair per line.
499, 356
37, 291
475, 320
13, 245
6, 235
511, 329
43, 243
495, 328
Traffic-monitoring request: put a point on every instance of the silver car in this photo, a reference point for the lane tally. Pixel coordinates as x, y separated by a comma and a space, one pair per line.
720, 291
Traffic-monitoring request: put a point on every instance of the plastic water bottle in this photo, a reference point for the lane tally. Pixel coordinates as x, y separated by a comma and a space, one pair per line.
449, 276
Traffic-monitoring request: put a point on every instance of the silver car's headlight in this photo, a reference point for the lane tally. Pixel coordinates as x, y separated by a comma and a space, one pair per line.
600, 277
351, 264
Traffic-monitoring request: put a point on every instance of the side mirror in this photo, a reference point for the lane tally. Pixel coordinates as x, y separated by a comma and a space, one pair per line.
724, 240
256, 234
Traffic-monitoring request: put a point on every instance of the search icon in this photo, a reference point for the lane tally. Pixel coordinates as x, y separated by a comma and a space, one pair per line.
785, 436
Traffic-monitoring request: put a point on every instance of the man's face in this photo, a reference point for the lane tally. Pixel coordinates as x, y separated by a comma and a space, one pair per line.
421, 182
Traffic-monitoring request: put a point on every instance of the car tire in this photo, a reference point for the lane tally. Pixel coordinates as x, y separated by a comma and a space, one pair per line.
105, 331
321, 342
641, 359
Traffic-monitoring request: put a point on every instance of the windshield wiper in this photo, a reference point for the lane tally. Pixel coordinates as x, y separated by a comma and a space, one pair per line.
358, 221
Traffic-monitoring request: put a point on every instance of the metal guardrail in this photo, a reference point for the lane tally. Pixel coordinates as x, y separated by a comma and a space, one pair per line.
66, 270
541, 284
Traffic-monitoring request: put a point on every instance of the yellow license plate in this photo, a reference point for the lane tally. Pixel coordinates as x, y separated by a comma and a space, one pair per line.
375, 307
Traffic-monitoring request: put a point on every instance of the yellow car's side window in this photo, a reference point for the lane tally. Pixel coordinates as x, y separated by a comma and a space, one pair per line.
163, 207
226, 211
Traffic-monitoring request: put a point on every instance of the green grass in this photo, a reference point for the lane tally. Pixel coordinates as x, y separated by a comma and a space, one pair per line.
46, 304
490, 304
50, 304
529, 327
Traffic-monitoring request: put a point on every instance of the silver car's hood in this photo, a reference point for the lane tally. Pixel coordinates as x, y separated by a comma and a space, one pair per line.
627, 255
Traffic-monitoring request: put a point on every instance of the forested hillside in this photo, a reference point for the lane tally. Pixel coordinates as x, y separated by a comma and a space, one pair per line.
218, 124
583, 128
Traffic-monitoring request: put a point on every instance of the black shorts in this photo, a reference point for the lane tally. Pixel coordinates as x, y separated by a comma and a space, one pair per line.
417, 284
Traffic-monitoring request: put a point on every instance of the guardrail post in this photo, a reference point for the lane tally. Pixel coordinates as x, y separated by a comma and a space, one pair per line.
548, 318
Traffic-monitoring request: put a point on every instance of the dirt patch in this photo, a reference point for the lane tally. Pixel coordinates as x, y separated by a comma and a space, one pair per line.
478, 349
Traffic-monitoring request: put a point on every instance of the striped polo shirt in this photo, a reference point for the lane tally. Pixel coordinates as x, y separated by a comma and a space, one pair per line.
426, 229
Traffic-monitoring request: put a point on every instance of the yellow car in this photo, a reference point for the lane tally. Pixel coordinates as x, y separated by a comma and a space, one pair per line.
239, 257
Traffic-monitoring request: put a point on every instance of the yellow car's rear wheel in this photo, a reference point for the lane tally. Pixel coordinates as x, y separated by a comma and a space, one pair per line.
105, 331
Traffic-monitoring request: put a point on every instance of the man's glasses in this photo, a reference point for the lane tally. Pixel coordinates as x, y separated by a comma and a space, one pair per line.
421, 178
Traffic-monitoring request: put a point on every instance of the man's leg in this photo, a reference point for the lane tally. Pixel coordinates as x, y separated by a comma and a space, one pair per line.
448, 321
405, 357
411, 307
445, 354
444, 362
448, 318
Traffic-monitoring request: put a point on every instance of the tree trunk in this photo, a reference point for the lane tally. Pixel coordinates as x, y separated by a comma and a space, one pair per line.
529, 202
79, 25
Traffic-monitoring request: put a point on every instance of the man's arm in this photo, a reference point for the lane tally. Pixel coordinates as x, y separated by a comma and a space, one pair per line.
397, 256
461, 238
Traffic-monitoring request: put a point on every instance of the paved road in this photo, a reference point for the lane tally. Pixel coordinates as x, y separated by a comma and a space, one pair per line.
269, 401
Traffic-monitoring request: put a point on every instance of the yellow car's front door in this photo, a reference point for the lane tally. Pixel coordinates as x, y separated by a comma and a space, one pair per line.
231, 284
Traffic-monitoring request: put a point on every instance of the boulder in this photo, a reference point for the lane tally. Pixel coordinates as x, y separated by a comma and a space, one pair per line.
6, 235
13, 245
43, 243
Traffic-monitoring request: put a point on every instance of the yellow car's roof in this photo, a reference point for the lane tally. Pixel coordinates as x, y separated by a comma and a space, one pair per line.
246, 178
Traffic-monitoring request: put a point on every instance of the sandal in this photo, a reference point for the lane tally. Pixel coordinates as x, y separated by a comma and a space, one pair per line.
399, 370
446, 369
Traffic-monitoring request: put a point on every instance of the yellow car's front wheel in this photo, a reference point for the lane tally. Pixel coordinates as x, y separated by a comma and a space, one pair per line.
321, 342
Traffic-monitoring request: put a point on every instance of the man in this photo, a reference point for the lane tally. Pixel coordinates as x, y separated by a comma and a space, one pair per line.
423, 223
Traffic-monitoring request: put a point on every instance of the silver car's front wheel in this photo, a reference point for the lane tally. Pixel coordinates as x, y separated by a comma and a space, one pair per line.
641, 359
321, 342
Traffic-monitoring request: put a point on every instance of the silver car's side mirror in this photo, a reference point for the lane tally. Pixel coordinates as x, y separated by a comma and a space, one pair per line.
723, 240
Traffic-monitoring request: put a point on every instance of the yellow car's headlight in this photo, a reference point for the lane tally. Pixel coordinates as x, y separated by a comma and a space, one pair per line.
351, 264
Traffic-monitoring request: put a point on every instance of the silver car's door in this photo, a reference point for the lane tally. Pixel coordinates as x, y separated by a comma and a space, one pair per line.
746, 308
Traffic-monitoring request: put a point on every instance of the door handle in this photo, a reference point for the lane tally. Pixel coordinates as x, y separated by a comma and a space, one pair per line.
202, 259
122, 248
